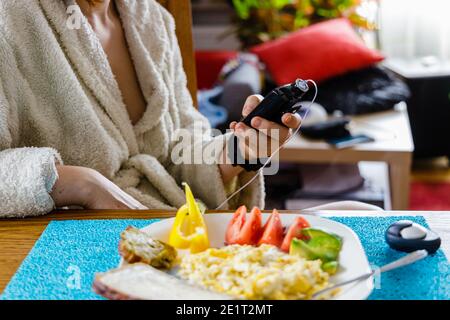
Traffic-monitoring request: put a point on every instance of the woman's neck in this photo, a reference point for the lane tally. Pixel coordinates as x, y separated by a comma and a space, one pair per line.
100, 12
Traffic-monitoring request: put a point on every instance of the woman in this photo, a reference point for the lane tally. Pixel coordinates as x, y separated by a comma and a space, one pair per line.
88, 113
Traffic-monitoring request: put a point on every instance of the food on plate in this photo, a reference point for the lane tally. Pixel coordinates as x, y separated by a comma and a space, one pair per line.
318, 244
273, 231
242, 229
331, 267
137, 246
249, 272
300, 239
247, 229
294, 231
142, 282
189, 229
257, 262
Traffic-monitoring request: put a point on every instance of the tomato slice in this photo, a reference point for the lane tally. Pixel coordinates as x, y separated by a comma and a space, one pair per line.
273, 231
244, 229
251, 231
295, 231
235, 225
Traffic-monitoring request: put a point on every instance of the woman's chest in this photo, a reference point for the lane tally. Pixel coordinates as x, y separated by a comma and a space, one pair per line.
115, 46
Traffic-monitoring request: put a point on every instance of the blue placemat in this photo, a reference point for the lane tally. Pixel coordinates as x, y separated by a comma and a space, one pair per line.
64, 260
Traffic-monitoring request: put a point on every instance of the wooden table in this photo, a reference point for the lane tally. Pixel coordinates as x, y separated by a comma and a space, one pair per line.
393, 145
17, 237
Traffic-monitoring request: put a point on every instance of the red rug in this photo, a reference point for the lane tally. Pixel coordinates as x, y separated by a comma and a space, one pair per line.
430, 196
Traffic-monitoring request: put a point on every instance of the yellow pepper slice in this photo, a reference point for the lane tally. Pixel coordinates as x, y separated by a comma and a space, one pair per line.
176, 238
189, 229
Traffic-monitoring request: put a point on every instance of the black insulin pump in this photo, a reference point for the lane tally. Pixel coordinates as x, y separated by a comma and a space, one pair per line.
284, 99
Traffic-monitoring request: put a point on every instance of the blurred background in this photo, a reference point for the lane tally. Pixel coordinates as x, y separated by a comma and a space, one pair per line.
379, 131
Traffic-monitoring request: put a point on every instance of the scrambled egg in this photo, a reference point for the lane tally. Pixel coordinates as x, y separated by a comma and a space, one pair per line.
248, 272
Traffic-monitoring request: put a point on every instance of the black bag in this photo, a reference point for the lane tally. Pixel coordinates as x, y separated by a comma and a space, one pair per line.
364, 91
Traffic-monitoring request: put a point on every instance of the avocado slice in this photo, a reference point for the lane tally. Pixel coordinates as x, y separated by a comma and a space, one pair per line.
300, 248
313, 251
320, 245
330, 267
329, 239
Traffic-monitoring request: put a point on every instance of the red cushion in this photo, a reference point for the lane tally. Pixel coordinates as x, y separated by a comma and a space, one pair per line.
209, 64
318, 52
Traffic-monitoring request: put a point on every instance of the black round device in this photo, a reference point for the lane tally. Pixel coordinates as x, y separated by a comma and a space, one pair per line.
408, 236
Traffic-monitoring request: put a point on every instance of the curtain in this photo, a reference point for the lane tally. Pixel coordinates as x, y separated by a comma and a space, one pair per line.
415, 29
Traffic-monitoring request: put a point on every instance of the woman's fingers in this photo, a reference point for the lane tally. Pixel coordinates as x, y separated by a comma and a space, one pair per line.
88, 188
126, 199
248, 140
275, 133
241, 130
132, 203
118, 205
119, 201
257, 144
251, 103
291, 120
272, 129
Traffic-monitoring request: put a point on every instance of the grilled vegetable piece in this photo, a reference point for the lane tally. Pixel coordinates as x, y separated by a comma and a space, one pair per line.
137, 246
142, 282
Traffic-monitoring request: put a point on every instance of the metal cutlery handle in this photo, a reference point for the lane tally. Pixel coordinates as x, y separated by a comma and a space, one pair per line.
408, 259
403, 261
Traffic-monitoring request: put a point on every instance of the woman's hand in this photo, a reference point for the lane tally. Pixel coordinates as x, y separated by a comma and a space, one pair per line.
273, 134
88, 188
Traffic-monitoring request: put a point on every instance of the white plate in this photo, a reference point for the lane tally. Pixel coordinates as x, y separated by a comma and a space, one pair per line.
352, 259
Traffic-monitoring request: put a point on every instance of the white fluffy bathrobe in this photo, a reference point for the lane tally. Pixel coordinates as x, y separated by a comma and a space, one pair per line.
59, 101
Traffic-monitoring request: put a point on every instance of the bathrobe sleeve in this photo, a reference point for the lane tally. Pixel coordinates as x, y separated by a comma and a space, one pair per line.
203, 175
27, 175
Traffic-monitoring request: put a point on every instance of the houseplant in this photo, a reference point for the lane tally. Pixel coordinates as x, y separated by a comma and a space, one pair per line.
258, 21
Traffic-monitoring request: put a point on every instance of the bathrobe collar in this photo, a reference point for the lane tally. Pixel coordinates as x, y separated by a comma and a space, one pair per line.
145, 33
149, 44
